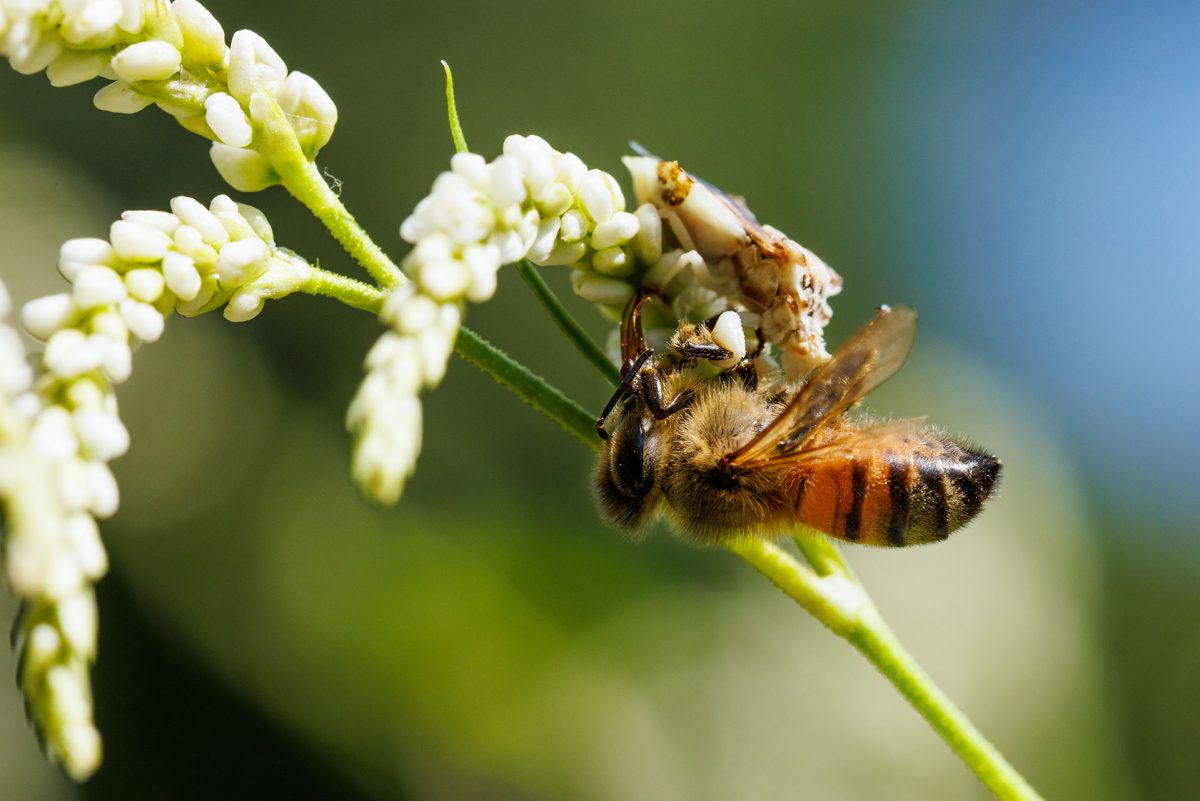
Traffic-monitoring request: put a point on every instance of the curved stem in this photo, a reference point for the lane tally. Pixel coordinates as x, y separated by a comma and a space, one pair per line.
307, 185
568, 324
839, 601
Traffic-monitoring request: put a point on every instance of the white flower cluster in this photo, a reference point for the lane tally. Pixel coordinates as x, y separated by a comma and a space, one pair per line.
52, 554
174, 54
59, 434
531, 202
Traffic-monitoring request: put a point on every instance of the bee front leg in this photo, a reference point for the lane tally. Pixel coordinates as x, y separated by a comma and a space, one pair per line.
652, 393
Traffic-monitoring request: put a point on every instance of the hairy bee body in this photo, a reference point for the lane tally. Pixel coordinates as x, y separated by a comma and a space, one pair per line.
725, 459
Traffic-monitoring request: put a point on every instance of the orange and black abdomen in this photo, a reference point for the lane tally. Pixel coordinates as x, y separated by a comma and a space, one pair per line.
918, 492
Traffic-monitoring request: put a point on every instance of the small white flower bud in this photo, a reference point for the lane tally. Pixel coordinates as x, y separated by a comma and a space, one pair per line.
97, 286
133, 17
554, 199
164, 221
145, 284
601, 289
42, 646
311, 112
574, 226
203, 36
43, 316
565, 253
617, 230
84, 536
253, 66
245, 305
151, 60
89, 20
483, 264
194, 213
648, 242
208, 290
237, 260
77, 620
544, 240
144, 320
85, 393
76, 66
506, 186
79, 747
227, 120
116, 359
65, 691
105, 497
443, 280
111, 324
136, 242
120, 98
570, 170
53, 434
179, 272
77, 253
257, 221
612, 261
71, 479
244, 170
596, 197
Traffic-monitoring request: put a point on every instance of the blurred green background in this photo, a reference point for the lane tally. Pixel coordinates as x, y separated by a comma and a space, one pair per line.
1025, 174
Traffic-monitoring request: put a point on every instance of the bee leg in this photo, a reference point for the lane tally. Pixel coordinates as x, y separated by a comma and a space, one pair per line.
652, 394
703, 350
746, 372
626, 386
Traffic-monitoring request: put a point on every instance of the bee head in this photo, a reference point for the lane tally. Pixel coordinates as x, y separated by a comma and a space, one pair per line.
625, 471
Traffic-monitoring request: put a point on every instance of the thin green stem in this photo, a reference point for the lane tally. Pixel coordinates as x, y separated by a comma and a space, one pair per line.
528, 386
566, 323
839, 601
305, 182
456, 132
878, 644
355, 294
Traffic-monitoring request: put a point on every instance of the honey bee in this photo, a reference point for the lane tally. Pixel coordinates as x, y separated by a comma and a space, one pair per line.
725, 458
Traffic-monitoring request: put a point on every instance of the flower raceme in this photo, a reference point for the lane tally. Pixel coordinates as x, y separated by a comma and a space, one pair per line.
241, 95
59, 430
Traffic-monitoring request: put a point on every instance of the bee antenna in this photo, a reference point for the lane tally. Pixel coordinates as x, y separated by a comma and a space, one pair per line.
622, 390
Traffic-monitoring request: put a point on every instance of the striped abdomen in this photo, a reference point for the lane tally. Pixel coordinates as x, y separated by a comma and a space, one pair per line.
919, 491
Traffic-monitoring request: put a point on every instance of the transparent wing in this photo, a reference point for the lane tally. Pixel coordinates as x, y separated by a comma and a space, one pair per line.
856, 444
859, 365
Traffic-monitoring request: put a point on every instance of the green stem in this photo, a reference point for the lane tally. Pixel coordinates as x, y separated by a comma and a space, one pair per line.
566, 323
356, 294
307, 185
878, 644
456, 132
527, 386
839, 601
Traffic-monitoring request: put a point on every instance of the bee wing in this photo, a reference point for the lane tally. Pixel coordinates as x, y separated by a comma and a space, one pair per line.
858, 365
858, 443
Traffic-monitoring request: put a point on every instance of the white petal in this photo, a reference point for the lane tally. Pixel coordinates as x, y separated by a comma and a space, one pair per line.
227, 119
203, 36
144, 320
151, 60
181, 276
236, 260
192, 212
97, 286
120, 98
253, 66
43, 316
244, 170
102, 435
164, 221
136, 242
145, 284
